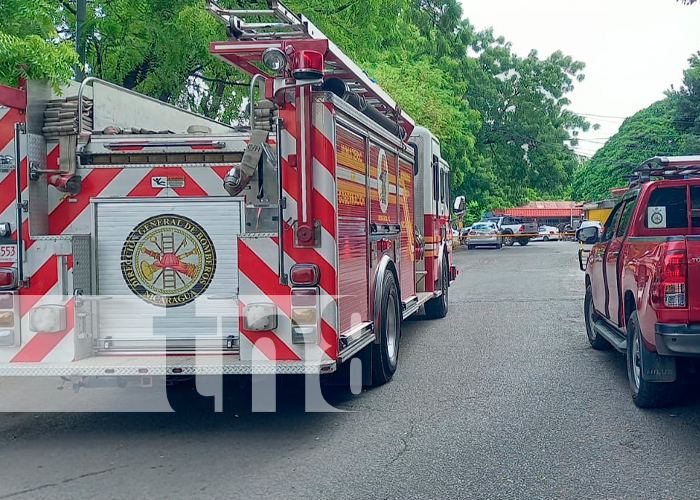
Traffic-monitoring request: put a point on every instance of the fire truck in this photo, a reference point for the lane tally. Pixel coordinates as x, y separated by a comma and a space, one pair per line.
139, 240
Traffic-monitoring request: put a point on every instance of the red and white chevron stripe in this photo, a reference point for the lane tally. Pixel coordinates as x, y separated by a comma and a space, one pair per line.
258, 256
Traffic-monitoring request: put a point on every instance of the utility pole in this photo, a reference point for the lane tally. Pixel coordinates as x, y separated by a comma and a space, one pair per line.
80, 38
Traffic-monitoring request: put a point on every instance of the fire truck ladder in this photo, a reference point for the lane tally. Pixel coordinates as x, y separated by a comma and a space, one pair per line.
249, 39
167, 242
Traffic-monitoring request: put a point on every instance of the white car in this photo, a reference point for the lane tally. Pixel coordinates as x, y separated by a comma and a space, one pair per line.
547, 233
483, 234
589, 223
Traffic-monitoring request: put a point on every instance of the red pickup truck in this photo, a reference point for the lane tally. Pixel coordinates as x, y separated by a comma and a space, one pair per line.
643, 278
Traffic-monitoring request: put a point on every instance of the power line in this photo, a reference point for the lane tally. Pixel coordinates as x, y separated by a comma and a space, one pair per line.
600, 116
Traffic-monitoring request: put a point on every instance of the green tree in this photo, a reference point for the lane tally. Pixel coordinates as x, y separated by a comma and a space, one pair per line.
30, 45
686, 100
647, 133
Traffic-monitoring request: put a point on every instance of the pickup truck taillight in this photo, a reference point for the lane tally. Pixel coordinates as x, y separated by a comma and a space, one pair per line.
669, 287
522, 228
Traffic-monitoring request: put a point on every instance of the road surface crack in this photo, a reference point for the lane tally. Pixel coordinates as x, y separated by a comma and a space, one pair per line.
64, 481
411, 430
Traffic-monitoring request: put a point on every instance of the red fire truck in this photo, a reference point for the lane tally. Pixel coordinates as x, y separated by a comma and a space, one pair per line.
140, 240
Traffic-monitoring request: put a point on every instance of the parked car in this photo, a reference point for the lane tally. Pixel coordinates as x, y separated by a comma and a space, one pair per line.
483, 234
547, 233
642, 274
511, 227
591, 223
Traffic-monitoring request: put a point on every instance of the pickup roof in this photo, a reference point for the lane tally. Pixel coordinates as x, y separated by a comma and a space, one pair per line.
643, 277
509, 225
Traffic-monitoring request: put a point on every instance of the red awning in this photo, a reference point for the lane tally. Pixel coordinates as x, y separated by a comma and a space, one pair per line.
543, 213
545, 209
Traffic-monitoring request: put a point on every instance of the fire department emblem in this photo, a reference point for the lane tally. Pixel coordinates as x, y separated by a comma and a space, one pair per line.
383, 181
168, 260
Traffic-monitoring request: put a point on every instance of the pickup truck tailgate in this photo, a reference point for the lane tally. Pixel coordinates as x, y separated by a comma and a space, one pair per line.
693, 284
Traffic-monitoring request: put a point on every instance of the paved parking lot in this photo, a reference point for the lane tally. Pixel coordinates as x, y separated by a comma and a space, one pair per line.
502, 399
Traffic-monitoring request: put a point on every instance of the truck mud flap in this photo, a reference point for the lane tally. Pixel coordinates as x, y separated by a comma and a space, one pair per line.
657, 368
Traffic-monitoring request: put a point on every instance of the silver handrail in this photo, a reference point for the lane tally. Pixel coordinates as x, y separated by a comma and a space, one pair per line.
19, 128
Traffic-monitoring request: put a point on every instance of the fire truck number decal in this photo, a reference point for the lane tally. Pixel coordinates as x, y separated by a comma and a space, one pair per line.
8, 252
383, 180
168, 260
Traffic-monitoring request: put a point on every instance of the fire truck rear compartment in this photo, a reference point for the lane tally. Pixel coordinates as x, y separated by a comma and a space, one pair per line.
167, 290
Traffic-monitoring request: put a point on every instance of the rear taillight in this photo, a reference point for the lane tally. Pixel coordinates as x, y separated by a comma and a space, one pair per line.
472, 232
304, 274
493, 231
9, 319
522, 228
8, 278
669, 287
305, 315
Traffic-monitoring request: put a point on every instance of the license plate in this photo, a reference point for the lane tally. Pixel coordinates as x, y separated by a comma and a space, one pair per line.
8, 252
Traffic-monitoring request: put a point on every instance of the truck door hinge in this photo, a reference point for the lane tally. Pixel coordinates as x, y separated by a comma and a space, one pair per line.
24, 205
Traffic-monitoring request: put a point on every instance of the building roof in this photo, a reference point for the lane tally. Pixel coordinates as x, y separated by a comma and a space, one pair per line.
546, 209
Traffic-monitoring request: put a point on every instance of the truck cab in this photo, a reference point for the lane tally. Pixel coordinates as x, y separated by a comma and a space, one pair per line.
641, 277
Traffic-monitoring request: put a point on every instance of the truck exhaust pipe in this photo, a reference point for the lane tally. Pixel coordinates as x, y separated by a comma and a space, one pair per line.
338, 87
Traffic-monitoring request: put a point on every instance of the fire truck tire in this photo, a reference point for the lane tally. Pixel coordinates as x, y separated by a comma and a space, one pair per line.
508, 239
645, 394
437, 308
385, 355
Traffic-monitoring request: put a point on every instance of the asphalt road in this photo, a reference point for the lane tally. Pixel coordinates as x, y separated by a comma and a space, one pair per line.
502, 399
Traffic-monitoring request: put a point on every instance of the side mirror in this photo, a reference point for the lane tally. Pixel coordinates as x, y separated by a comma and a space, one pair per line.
588, 235
460, 205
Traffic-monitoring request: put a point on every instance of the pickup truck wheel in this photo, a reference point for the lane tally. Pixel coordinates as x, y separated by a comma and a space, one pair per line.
385, 355
596, 341
437, 308
644, 394
523, 241
508, 240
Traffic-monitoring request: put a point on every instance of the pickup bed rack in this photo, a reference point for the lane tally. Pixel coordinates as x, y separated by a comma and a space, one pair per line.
666, 167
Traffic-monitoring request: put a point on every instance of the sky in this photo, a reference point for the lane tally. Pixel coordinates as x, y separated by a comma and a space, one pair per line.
634, 50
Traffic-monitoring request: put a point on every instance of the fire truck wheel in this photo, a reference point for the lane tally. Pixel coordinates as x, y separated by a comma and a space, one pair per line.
386, 354
437, 308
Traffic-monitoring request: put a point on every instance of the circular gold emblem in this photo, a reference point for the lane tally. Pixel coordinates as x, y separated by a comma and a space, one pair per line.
168, 260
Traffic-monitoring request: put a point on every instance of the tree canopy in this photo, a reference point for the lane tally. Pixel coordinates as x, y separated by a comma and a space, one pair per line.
667, 127
500, 116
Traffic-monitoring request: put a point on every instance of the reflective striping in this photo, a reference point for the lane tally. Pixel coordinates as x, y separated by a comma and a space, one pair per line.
41, 344
42, 281
7, 125
261, 281
324, 182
